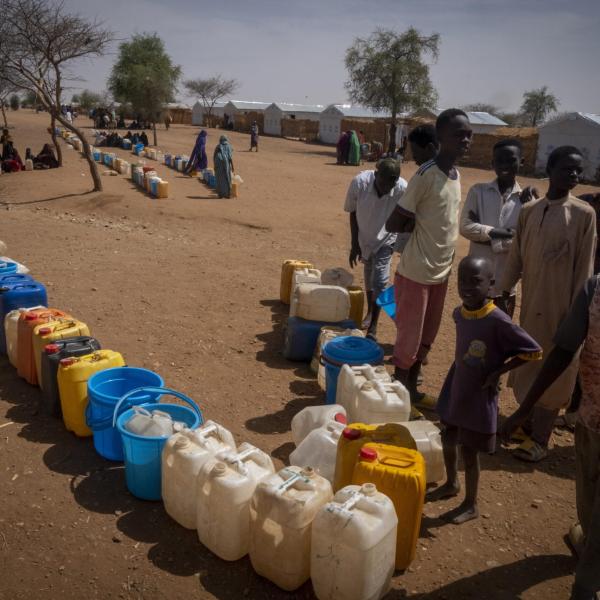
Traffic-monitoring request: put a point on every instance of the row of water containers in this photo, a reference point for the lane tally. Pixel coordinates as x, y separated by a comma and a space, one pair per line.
148, 179
290, 522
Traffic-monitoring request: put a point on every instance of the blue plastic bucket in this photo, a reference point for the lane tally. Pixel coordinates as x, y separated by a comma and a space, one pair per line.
387, 301
105, 390
143, 454
96, 155
347, 350
7, 267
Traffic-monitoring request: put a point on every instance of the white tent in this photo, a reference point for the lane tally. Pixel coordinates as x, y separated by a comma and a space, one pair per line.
481, 122
198, 112
330, 120
276, 112
581, 130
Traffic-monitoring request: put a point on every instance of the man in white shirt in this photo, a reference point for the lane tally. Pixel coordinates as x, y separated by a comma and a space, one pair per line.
491, 212
371, 199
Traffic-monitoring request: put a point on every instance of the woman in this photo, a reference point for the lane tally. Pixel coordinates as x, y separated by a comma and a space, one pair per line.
11, 161
198, 159
254, 136
5, 140
354, 150
342, 148
223, 159
45, 159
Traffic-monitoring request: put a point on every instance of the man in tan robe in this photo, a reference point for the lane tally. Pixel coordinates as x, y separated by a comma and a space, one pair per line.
553, 255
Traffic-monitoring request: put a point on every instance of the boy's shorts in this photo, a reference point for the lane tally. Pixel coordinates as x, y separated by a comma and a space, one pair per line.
377, 269
453, 435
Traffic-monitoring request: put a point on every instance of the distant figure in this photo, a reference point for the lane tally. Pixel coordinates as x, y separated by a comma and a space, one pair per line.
5, 140
121, 123
128, 136
106, 120
144, 139
343, 147
354, 150
69, 116
223, 159
168, 121
198, 160
11, 161
45, 159
254, 136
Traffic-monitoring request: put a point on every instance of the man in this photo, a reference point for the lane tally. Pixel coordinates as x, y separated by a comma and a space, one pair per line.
371, 198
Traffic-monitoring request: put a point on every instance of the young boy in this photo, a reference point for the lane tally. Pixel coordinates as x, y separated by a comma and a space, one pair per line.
580, 328
491, 211
371, 198
486, 339
553, 255
430, 209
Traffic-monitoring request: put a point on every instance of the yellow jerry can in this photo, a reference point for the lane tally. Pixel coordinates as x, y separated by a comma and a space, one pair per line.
287, 272
357, 304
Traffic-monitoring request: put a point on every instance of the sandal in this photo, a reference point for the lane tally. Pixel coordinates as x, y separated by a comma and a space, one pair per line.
416, 414
575, 539
424, 401
519, 436
530, 451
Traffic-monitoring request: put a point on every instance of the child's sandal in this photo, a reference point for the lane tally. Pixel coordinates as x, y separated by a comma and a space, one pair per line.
530, 451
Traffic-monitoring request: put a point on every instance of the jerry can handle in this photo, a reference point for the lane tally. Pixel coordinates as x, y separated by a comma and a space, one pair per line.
157, 390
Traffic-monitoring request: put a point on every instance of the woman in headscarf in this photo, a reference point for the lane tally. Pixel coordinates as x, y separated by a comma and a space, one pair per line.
254, 136
11, 161
198, 160
354, 150
342, 148
223, 158
5, 140
45, 159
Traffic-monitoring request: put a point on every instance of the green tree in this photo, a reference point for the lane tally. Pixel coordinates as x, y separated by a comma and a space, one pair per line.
144, 76
15, 102
75, 99
88, 99
387, 72
30, 99
537, 105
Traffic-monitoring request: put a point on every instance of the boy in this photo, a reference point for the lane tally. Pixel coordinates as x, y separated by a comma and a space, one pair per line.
371, 198
491, 211
468, 406
553, 255
581, 327
429, 208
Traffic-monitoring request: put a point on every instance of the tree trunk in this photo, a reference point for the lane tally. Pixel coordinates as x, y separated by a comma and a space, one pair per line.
154, 131
4, 114
86, 151
59, 156
392, 144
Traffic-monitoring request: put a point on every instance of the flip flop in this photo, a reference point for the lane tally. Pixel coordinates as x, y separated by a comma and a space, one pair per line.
530, 451
425, 401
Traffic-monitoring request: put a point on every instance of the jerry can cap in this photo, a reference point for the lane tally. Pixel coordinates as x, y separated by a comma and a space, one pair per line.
30, 316
351, 434
51, 348
44, 330
368, 454
66, 362
340, 418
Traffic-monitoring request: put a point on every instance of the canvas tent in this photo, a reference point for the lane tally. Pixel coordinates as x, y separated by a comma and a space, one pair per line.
581, 130
276, 112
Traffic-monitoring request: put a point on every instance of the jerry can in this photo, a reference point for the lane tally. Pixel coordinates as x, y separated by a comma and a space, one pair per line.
11, 327
225, 487
301, 336
73, 375
337, 276
399, 473
355, 436
163, 189
304, 276
357, 304
354, 545
117, 164
49, 332
330, 303
428, 440
28, 164
235, 189
28, 321
381, 402
52, 354
350, 381
287, 270
281, 515
318, 450
182, 458
313, 417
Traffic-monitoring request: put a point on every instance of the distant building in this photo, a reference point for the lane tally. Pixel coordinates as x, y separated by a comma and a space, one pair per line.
276, 112
243, 107
481, 122
581, 130
330, 120
199, 111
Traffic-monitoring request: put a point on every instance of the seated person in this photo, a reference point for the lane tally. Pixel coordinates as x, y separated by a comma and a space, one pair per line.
11, 161
135, 139
121, 123
128, 136
144, 138
5, 139
45, 159
134, 125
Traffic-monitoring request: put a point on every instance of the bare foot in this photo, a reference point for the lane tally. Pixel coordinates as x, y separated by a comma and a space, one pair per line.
448, 490
463, 513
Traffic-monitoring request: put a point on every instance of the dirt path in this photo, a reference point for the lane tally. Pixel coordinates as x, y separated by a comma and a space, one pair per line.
188, 286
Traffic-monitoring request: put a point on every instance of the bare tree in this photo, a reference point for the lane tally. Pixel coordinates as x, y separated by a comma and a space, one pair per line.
6, 89
210, 91
39, 40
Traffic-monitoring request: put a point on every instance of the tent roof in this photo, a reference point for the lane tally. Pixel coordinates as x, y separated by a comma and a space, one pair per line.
590, 117
485, 118
248, 104
290, 107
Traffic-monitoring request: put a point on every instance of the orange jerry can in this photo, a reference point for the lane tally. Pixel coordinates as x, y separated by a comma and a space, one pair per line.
27, 323
287, 273
399, 473
355, 436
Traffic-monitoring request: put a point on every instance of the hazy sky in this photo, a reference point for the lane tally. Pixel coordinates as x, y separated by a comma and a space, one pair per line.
284, 50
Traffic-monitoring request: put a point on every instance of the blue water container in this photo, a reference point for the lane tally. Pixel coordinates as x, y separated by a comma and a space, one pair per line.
301, 337
21, 294
126, 144
7, 267
347, 350
137, 149
387, 301
96, 155
167, 160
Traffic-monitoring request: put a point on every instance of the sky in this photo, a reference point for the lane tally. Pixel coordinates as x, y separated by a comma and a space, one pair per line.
290, 51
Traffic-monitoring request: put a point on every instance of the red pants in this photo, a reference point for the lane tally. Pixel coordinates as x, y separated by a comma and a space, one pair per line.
419, 310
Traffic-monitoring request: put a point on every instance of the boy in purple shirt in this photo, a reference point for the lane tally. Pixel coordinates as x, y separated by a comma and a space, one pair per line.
488, 344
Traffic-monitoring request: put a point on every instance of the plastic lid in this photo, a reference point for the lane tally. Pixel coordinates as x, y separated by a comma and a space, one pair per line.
308, 472
44, 330
52, 348
181, 443
368, 489
352, 350
219, 469
351, 434
367, 386
65, 362
30, 317
368, 454
340, 418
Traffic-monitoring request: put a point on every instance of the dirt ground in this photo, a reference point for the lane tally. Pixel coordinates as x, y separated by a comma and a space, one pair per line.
188, 286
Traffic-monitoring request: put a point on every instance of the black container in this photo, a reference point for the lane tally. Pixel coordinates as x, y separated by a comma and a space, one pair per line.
52, 354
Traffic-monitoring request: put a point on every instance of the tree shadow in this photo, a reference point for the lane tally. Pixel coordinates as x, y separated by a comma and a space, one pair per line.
51, 199
215, 197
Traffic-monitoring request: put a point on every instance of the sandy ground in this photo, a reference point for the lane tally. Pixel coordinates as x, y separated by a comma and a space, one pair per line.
188, 286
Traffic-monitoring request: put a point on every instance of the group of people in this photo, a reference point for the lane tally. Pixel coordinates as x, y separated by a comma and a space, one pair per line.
349, 149
548, 244
11, 162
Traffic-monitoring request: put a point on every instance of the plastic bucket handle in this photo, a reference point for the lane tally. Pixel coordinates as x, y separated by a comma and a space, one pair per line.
156, 390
